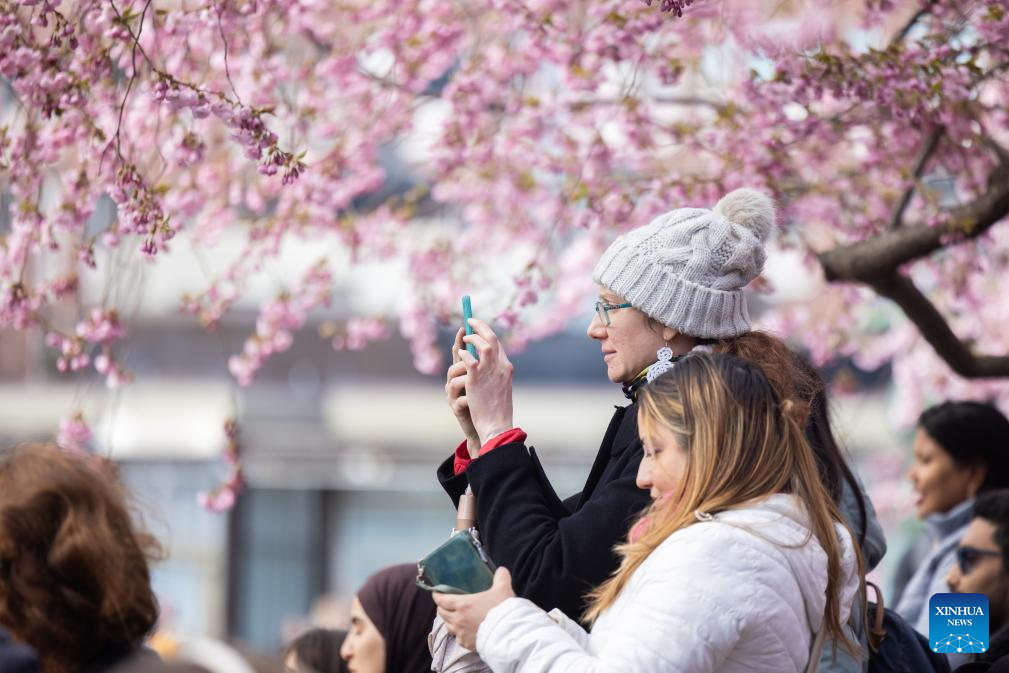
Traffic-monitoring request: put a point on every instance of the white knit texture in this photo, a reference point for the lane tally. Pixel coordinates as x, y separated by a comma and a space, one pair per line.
687, 268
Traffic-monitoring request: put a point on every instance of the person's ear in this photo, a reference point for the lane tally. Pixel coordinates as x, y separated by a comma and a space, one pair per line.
978, 474
668, 334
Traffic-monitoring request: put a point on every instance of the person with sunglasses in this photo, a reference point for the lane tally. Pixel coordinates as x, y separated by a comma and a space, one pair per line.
667, 288
982, 566
961, 450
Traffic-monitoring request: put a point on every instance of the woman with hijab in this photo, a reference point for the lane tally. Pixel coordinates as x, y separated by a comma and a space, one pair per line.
389, 622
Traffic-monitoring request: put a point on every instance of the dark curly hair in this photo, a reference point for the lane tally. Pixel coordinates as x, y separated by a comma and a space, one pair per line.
74, 576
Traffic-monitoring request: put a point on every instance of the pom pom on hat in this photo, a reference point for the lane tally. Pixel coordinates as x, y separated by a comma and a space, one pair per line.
748, 208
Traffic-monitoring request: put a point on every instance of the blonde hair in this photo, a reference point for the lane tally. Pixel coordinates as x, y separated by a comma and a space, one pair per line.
742, 445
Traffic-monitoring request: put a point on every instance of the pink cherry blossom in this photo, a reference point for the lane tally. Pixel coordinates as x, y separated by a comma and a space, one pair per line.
74, 433
537, 132
224, 496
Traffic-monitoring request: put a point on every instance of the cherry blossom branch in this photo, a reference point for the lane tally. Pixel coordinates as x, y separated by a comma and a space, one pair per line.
875, 262
912, 22
133, 67
1001, 152
690, 101
867, 259
125, 22
227, 65
926, 152
224, 496
936, 330
687, 101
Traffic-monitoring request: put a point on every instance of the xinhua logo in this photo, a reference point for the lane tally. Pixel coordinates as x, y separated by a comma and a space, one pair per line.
958, 623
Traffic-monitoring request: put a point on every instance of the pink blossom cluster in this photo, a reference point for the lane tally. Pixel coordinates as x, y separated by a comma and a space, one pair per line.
73, 355
420, 326
360, 332
190, 149
674, 6
278, 319
17, 307
223, 497
101, 329
437, 31
37, 68
74, 433
140, 211
246, 125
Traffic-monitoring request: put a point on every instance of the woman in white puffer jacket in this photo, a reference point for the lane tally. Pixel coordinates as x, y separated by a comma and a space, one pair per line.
741, 561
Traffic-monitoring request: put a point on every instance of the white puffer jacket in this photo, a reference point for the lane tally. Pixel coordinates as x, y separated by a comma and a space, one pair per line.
744, 592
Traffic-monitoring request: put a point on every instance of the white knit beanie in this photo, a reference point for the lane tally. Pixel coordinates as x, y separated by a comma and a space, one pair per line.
687, 268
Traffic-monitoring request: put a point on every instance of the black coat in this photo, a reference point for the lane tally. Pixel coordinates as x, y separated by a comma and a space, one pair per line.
995, 660
555, 550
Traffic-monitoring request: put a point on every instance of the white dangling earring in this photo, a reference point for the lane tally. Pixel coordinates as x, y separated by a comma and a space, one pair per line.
663, 365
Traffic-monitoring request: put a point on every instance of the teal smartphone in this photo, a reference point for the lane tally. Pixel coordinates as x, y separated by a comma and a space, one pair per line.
467, 313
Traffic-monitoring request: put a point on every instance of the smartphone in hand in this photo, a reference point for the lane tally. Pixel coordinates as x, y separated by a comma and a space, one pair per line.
459, 566
467, 313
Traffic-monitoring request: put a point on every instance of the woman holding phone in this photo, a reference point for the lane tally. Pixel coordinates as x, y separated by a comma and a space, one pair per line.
742, 563
665, 289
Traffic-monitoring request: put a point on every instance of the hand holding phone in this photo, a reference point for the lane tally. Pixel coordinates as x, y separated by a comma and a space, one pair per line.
459, 566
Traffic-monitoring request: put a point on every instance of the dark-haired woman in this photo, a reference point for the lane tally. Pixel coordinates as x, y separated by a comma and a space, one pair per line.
316, 651
961, 449
74, 574
389, 622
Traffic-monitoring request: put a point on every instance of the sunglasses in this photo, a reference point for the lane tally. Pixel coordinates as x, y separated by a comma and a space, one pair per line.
968, 557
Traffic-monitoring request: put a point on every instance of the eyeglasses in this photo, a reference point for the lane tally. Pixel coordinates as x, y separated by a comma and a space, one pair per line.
603, 311
967, 557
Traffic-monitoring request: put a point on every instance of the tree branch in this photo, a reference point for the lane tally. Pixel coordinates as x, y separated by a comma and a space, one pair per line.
931, 143
224, 39
687, 101
876, 263
902, 33
936, 331
999, 151
881, 255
